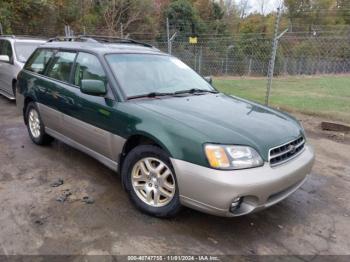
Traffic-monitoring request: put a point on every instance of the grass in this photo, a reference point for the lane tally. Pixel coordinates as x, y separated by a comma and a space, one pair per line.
327, 96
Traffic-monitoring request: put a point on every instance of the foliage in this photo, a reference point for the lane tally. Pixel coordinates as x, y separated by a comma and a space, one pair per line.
218, 23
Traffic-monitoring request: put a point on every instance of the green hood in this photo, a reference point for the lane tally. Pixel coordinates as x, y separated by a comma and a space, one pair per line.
227, 120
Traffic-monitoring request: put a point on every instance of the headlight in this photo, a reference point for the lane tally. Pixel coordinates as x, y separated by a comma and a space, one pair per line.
232, 157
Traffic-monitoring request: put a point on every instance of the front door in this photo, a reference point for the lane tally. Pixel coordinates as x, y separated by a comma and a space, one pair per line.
92, 125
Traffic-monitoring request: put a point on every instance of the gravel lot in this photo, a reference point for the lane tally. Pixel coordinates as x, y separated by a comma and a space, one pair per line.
314, 220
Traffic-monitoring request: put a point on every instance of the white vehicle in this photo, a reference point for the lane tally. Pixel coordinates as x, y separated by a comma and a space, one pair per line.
14, 52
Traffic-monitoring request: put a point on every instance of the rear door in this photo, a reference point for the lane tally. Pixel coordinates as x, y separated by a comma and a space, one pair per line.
52, 69
58, 96
6, 68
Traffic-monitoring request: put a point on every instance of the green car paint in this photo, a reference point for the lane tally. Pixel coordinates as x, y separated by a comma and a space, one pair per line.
121, 103
181, 125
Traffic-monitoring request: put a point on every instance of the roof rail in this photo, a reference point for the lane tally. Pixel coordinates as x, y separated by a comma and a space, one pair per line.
98, 39
72, 39
12, 36
112, 39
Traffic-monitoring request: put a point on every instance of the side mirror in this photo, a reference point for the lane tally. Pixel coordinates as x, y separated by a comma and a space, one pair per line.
208, 79
4, 58
93, 87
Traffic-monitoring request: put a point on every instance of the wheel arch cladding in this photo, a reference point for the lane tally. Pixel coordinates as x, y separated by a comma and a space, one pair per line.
138, 139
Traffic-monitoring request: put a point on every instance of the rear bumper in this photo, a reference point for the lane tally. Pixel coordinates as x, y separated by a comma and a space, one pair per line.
213, 191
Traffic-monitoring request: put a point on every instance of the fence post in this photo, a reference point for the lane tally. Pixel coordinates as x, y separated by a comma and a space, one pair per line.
67, 31
1, 31
250, 66
222, 66
168, 35
273, 58
121, 30
200, 60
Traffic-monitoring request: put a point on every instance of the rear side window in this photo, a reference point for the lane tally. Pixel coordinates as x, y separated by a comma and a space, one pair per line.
61, 66
39, 61
5, 48
88, 67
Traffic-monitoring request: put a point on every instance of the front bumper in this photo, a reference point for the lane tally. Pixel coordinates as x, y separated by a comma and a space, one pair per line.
213, 191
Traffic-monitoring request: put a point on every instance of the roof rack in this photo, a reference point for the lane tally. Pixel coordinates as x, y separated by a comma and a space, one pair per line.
112, 39
12, 36
72, 39
98, 39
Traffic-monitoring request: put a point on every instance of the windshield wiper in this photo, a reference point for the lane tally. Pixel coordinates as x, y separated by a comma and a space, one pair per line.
195, 90
151, 95
188, 91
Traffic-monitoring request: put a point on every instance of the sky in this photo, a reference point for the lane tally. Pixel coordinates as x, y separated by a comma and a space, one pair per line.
255, 5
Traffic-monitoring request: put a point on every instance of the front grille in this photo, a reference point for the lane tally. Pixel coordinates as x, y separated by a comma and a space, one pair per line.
285, 152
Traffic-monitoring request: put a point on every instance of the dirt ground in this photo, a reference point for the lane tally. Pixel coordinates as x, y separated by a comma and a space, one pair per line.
314, 220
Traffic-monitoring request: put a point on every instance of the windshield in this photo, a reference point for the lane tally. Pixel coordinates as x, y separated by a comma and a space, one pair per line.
141, 74
25, 49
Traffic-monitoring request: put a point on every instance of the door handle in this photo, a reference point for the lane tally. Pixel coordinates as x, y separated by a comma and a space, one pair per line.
104, 112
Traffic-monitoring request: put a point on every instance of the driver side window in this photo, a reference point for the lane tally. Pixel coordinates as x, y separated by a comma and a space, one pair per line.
88, 67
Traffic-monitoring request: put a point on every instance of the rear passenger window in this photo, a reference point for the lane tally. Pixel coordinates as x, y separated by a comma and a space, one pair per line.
5, 48
61, 67
38, 62
88, 67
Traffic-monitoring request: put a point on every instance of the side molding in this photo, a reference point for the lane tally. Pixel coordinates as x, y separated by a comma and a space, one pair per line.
104, 160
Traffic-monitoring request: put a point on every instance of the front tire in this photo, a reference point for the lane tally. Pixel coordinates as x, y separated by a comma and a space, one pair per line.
35, 126
150, 181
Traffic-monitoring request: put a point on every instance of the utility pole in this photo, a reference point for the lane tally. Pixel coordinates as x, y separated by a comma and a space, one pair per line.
271, 68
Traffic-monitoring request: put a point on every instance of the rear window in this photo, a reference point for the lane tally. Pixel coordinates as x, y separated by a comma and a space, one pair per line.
25, 49
39, 61
5, 48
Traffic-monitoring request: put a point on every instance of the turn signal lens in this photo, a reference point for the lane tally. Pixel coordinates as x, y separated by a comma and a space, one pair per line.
217, 156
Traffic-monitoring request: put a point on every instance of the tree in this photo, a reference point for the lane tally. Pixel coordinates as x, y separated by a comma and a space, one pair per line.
125, 13
182, 15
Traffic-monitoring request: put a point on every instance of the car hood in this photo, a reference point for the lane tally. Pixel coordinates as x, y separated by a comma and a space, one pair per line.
228, 120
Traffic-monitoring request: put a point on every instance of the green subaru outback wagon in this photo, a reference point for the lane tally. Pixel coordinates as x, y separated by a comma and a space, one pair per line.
175, 140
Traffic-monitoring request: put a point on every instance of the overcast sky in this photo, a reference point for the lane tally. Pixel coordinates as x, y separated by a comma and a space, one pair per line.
255, 5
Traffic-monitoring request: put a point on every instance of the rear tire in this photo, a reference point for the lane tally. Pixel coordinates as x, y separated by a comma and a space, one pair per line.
150, 181
35, 126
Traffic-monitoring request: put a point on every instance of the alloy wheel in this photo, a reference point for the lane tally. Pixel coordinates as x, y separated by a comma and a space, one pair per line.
34, 123
153, 182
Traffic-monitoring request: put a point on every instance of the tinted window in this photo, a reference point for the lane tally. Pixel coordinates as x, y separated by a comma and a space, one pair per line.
88, 67
25, 49
39, 61
61, 67
5, 48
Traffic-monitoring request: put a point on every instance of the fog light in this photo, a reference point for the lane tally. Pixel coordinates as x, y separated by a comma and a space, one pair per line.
236, 202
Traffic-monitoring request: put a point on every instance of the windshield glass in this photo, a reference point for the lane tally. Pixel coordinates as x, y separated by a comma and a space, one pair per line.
141, 74
25, 49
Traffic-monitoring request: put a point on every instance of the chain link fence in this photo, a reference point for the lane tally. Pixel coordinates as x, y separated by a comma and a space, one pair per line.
311, 72
240, 55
